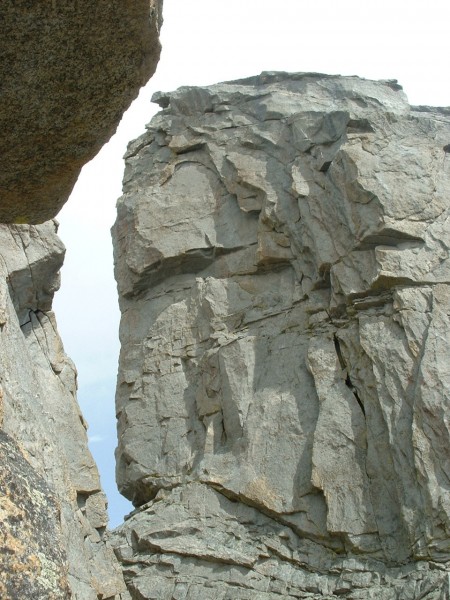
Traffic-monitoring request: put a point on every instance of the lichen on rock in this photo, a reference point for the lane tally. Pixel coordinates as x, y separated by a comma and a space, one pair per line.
33, 562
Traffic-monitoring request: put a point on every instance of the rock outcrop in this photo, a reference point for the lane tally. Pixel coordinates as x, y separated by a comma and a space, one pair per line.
52, 510
68, 71
282, 258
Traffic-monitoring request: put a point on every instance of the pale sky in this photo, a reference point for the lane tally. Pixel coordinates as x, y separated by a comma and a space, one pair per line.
204, 42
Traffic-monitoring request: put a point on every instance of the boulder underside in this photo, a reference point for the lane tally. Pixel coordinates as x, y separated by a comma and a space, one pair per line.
69, 70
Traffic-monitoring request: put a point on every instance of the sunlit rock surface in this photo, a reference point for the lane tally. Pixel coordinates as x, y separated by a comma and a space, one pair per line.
69, 69
282, 258
52, 510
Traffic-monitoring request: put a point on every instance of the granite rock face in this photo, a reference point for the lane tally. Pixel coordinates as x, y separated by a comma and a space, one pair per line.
68, 70
282, 258
52, 510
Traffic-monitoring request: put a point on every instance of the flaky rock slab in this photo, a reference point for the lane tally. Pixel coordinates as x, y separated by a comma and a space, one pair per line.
69, 69
282, 258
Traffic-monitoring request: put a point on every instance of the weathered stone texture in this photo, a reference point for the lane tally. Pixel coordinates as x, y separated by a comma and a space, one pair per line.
282, 258
33, 562
52, 509
69, 69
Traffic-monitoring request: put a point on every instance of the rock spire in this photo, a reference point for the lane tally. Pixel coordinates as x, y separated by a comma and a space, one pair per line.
282, 258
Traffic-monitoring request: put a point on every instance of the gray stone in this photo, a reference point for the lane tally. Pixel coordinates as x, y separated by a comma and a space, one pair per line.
282, 259
40, 414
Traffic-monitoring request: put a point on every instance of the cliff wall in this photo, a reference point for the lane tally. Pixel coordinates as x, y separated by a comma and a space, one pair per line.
52, 511
282, 259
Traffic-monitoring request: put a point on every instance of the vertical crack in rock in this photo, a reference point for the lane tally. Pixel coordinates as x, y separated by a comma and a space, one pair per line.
282, 260
348, 381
